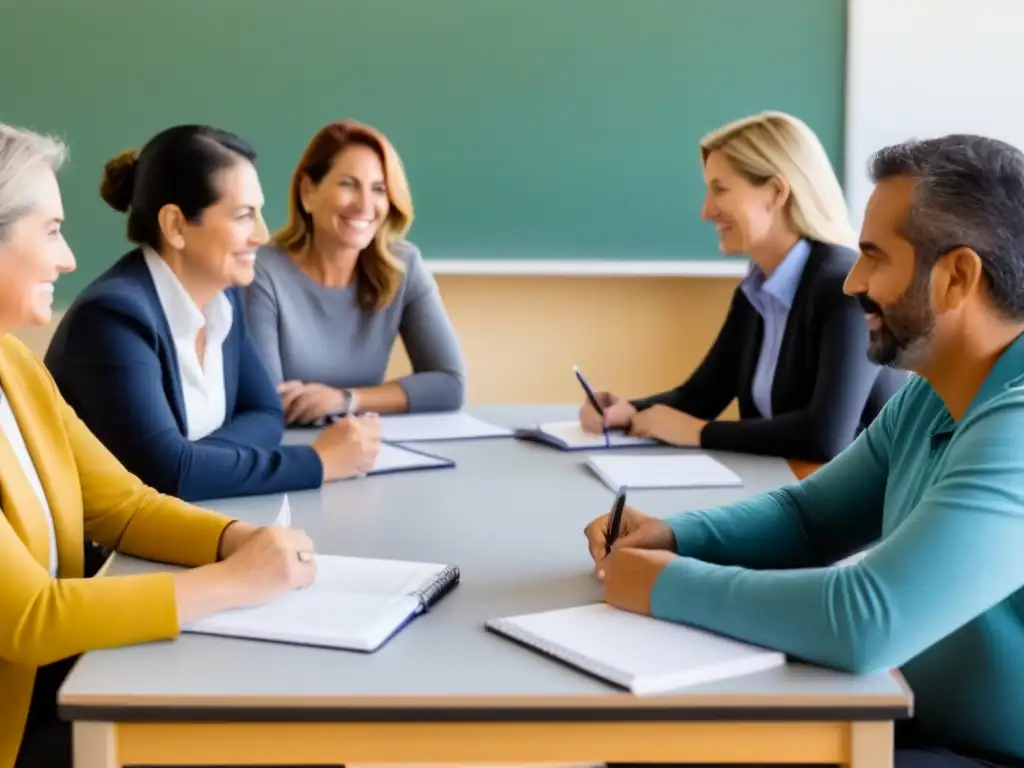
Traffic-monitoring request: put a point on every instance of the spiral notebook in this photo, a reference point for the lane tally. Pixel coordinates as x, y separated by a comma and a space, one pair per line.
401, 458
641, 654
355, 604
570, 436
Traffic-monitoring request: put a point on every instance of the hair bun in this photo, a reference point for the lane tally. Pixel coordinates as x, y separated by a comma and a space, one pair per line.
118, 182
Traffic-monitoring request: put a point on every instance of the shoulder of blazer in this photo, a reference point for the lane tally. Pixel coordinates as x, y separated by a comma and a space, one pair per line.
833, 258
125, 289
20, 361
821, 285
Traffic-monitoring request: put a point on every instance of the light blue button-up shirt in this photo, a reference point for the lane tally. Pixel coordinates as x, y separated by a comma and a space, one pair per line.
772, 297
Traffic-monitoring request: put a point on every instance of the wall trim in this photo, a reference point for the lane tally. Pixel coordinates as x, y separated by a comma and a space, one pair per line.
592, 268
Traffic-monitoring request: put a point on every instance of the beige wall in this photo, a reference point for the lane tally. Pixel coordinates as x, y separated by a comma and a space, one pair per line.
37, 337
521, 335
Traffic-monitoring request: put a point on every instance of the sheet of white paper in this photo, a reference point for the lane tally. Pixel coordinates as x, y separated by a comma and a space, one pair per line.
337, 574
572, 434
371, 576
305, 616
418, 427
675, 471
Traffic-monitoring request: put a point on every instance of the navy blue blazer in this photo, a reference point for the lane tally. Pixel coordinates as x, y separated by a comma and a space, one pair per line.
114, 361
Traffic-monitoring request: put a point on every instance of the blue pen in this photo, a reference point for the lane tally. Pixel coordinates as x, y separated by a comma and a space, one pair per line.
593, 401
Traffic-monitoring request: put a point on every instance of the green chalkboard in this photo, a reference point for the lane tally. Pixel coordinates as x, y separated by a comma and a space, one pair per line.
530, 129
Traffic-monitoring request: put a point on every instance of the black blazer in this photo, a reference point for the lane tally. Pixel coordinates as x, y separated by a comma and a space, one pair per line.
825, 389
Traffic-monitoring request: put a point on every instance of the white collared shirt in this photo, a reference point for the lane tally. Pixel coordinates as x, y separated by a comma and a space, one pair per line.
202, 386
11, 430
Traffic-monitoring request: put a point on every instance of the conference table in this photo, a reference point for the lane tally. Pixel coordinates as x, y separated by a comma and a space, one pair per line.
510, 515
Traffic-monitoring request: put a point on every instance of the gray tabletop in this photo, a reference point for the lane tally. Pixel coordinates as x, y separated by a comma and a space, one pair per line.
511, 516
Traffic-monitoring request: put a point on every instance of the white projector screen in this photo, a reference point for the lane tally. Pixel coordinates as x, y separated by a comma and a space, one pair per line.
920, 68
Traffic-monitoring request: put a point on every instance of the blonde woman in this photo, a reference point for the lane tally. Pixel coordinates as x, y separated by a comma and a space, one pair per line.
340, 284
793, 348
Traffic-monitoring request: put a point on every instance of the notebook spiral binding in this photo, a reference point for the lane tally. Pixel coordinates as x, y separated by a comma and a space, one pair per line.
438, 587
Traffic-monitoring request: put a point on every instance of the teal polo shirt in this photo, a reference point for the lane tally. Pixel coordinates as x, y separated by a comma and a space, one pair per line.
941, 506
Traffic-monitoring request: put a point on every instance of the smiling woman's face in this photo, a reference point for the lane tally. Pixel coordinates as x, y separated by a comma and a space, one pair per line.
351, 202
220, 248
33, 253
744, 214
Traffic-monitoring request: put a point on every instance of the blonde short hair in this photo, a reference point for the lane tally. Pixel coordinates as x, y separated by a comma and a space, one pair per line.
23, 153
773, 144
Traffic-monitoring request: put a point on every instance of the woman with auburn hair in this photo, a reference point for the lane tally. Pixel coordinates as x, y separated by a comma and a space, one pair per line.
339, 283
793, 348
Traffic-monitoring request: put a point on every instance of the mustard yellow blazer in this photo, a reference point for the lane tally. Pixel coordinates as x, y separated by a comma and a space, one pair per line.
90, 494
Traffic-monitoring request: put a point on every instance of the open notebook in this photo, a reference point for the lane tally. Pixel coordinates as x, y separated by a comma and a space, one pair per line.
355, 604
639, 653
569, 436
676, 471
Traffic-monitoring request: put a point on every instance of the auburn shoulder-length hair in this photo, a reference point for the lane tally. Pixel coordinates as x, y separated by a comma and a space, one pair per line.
379, 273
778, 144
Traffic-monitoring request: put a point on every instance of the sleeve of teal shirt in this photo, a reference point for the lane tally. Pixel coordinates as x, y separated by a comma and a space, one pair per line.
956, 555
834, 513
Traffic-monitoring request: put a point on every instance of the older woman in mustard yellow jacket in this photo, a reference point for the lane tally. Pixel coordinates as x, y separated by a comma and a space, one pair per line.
59, 485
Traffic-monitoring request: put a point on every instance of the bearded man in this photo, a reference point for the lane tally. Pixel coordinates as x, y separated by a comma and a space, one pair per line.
933, 489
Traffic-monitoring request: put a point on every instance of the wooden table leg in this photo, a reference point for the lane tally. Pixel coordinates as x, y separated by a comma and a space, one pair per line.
871, 745
94, 745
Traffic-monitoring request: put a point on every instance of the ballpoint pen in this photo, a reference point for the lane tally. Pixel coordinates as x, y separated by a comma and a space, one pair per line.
593, 401
616, 520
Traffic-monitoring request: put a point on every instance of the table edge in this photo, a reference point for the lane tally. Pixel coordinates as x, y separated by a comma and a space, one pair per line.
379, 709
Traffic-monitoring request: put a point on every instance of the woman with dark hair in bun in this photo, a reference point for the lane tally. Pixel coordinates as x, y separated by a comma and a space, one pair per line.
155, 356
